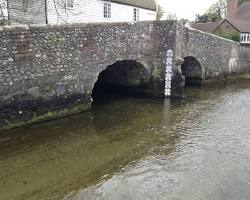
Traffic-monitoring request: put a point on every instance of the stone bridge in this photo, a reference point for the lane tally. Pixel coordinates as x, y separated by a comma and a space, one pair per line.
53, 71
208, 57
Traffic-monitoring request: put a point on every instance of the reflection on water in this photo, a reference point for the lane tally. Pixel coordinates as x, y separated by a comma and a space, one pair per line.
136, 148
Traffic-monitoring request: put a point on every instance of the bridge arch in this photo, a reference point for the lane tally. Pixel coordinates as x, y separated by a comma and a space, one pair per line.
125, 76
192, 70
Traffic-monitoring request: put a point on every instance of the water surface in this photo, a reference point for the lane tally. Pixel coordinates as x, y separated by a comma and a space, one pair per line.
132, 148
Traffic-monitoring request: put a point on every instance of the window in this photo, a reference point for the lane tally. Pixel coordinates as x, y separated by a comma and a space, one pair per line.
69, 3
25, 5
245, 38
107, 10
136, 14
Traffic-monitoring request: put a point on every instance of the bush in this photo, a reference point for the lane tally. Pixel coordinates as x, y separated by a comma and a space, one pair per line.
230, 35
3, 22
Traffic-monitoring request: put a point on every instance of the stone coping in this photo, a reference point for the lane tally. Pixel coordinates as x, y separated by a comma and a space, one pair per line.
214, 36
77, 25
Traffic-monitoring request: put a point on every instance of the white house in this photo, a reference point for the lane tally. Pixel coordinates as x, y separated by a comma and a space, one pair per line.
80, 11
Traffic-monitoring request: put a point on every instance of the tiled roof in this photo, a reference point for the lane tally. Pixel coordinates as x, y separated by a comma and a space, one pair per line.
241, 24
206, 27
147, 4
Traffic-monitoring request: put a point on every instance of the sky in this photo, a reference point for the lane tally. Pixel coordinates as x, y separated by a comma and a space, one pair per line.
185, 8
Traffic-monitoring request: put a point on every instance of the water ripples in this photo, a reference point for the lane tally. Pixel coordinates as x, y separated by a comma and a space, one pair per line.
210, 158
140, 149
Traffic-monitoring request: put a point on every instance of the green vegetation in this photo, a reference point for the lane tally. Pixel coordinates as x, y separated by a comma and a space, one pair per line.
159, 13
47, 116
3, 22
214, 13
229, 35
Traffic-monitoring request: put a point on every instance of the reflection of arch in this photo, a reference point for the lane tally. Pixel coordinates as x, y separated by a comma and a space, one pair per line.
125, 76
192, 70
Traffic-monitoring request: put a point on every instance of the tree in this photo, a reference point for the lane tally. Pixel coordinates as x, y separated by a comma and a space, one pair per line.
217, 11
159, 13
201, 18
171, 16
183, 21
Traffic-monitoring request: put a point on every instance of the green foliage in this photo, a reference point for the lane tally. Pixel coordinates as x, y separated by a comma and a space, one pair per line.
171, 16
201, 18
47, 116
217, 10
159, 13
214, 13
183, 21
230, 35
3, 22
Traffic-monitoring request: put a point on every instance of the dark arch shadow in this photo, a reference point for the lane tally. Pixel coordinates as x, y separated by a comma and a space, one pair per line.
125, 77
192, 70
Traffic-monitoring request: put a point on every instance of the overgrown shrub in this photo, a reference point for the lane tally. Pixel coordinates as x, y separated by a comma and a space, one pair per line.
3, 22
230, 35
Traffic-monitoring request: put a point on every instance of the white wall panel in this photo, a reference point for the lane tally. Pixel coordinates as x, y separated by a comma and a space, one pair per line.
87, 11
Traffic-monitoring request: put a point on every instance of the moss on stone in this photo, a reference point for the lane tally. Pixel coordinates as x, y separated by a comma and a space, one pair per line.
222, 80
245, 76
48, 116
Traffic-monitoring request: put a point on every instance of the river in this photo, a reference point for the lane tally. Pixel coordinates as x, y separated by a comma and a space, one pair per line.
134, 148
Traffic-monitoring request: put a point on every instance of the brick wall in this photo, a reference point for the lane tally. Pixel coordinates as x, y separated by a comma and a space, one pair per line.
232, 7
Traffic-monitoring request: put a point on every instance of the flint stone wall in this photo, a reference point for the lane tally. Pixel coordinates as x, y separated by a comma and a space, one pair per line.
50, 71
219, 58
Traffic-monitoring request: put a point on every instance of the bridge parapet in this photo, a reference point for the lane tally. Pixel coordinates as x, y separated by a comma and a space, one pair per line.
50, 71
210, 57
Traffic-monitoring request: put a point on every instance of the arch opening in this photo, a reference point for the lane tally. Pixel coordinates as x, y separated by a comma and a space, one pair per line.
122, 78
192, 70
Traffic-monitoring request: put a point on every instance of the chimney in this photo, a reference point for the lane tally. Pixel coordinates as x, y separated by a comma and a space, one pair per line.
232, 7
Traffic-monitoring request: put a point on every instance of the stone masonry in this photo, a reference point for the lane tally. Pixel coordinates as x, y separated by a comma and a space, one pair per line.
50, 71
218, 58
